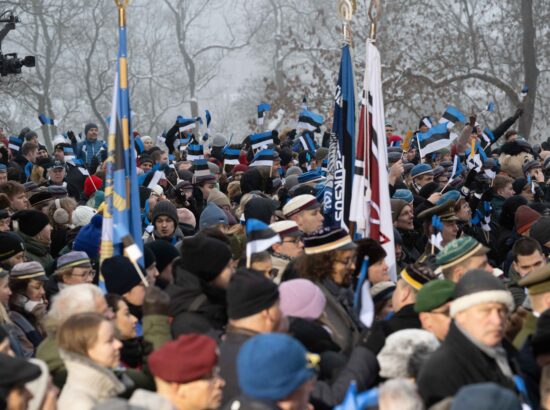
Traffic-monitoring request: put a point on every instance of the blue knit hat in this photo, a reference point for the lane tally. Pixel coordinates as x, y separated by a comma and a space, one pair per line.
404, 194
271, 366
421, 169
89, 237
314, 175
212, 215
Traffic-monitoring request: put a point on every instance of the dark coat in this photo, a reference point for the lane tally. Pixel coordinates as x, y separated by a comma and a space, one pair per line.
244, 402
406, 318
361, 367
457, 363
195, 306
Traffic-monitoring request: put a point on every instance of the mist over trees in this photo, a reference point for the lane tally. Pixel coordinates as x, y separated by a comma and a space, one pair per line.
186, 56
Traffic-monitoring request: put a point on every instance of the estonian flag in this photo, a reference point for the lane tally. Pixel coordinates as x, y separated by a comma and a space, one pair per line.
309, 120
186, 124
263, 108
230, 156
200, 168
68, 153
45, 120
261, 140
263, 158
15, 143
259, 237
306, 139
436, 138
451, 116
194, 152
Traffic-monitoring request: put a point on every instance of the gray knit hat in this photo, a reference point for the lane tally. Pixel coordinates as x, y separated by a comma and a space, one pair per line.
166, 208
476, 287
28, 270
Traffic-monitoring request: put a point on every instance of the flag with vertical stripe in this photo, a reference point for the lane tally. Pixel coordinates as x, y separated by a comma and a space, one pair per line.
370, 206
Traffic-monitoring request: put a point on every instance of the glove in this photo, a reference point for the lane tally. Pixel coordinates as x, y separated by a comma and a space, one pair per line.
519, 112
93, 165
72, 137
157, 302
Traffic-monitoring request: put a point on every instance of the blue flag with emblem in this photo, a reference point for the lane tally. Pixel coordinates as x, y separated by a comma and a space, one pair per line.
122, 218
342, 152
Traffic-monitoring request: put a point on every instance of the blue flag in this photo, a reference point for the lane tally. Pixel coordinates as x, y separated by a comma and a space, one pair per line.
44, 120
339, 184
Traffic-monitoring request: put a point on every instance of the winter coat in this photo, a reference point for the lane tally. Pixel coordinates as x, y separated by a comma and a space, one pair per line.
28, 324
496, 206
412, 245
156, 331
195, 306
39, 252
153, 235
87, 150
362, 368
87, 383
339, 318
457, 363
405, 318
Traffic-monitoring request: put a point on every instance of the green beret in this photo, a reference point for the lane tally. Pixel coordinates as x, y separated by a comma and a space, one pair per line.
433, 295
458, 251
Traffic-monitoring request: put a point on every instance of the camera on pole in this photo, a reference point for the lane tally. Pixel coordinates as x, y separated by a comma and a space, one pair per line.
10, 63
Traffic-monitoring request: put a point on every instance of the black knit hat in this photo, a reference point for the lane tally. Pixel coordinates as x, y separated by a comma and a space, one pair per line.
164, 252
148, 257
165, 208
10, 245
476, 287
370, 248
119, 274
15, 371
29, 221
249, 293
204, 257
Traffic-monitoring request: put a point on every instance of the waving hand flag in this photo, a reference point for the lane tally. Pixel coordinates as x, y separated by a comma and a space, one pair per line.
263, 108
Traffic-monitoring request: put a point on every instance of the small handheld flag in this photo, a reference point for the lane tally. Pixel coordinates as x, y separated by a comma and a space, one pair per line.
44, 120
259, 237
186, 124
263, 108
194, 152
309, 120
451, 116
261, 140
523, 93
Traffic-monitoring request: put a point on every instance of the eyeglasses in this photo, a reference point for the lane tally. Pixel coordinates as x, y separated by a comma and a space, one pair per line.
346, 262
295, 241
90, 273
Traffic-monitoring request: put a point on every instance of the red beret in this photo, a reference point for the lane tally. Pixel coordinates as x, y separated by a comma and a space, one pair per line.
184, 360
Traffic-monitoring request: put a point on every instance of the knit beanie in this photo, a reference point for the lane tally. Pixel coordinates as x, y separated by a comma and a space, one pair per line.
165, 208
88, 127
149, 257
397, 206
525, 218
239, 168
293, 171
519, 184
10, 245
120, 275
88, 238
29, 221
204, 257
476, 287
219, 198
212, 215
91, 184
301, 298
540, 230
261, 209
482, 396
249, 293
164, 253
82, 215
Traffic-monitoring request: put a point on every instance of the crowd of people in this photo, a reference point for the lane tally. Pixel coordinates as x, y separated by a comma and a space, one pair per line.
461, 320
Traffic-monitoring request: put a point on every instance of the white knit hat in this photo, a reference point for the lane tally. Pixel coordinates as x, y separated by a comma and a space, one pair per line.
82, 215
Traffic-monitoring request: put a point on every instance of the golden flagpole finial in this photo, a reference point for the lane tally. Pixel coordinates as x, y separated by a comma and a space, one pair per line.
346, 8
122, 3
375, 11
